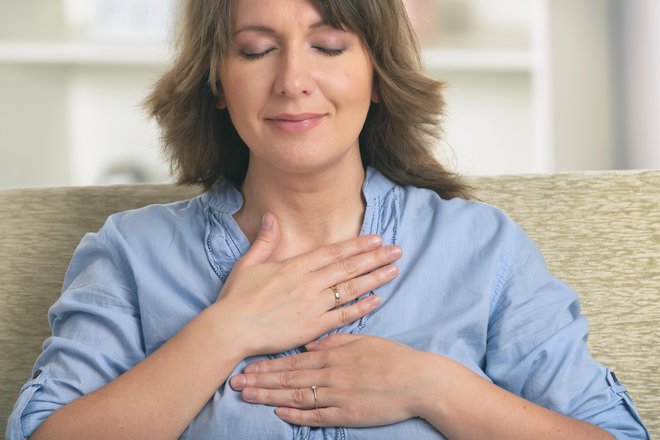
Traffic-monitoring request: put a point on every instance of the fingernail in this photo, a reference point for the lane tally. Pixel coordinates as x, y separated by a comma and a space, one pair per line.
312, 345
375, 240
282, 412
238, 382
394, 251
252, 368
249, 394
392, 271
373, 301
266, 222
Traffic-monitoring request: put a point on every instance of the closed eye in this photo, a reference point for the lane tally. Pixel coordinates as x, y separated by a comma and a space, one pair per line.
328, 51
255, 56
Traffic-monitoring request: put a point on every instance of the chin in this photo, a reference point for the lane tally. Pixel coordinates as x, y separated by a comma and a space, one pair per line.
308, 158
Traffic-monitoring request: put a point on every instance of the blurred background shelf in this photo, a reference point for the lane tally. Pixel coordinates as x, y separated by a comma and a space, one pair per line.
158, 55
479, 60
83, 53
531, 86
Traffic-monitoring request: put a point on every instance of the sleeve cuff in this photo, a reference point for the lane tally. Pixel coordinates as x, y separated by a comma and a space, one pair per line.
21, 424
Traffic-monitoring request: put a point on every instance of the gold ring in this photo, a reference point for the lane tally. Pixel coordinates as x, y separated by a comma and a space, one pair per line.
316, 397
336, 292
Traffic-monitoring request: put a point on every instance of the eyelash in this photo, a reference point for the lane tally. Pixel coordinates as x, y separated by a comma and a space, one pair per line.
255, 56
323, 50
329, 52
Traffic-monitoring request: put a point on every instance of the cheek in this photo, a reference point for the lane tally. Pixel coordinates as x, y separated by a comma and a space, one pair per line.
241, 87
356, 86
231, 84
356, 94
243, 101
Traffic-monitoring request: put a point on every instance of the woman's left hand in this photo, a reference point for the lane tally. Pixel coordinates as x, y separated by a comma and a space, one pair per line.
360, 381
366, 381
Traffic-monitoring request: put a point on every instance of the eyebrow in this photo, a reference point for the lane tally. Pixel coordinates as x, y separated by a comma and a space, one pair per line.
268, 30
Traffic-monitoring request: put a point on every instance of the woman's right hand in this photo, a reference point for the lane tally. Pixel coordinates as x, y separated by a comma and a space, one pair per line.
265, 307
276, 306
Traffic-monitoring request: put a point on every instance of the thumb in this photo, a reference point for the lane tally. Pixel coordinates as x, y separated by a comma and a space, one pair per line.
332, 341
266, 241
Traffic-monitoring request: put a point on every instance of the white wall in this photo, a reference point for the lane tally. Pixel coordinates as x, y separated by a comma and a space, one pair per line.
108, 127
638, 69
583, 120
33, 126
32, 19
596, 107
488, 123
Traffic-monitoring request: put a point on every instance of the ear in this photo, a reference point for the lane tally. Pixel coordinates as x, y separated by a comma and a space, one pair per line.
374, 94
220, 102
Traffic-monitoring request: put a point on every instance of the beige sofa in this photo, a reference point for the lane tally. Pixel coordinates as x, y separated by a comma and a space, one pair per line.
599, 231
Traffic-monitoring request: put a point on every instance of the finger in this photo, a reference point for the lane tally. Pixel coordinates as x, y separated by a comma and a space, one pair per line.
301, 398
356, 287
265, 243
285, 379
333, 341
357, 265
326, 255
302, 361
322, 417
342, 316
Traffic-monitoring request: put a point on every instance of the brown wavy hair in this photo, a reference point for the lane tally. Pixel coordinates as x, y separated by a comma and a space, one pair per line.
400, 131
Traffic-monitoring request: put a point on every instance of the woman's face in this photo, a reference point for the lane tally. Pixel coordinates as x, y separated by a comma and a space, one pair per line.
297, 89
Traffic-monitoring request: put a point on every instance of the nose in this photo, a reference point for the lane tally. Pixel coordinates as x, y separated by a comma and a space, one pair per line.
294, 74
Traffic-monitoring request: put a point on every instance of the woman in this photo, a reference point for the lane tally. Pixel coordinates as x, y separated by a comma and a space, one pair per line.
309, 124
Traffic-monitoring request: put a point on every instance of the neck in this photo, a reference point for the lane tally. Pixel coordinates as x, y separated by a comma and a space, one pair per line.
313, 209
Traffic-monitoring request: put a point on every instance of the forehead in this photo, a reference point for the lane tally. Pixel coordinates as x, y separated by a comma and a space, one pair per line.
269, 11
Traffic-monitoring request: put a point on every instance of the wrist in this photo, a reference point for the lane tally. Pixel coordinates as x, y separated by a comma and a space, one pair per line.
227, 331
430, 399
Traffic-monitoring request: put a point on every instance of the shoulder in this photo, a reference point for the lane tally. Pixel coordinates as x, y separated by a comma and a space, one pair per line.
136, 235
421, 215
155, 221
460, 218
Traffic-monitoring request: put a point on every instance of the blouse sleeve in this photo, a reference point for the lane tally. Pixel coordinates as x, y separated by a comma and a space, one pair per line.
96, 333
537, 348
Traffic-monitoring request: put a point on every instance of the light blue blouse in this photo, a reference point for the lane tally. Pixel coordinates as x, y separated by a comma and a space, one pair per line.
472, 286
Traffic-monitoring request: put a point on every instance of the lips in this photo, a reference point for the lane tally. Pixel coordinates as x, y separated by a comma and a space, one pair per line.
296, 123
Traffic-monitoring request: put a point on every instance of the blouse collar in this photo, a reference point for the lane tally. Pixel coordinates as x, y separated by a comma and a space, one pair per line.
226, 243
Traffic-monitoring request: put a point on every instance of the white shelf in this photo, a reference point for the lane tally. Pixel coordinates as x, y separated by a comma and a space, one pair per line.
478, 60
83, 53
158, 54
497, 68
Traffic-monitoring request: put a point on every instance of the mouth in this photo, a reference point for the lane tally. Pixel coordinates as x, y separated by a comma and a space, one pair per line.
296, 123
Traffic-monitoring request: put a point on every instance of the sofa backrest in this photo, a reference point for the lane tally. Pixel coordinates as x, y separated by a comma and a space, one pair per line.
599, 232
